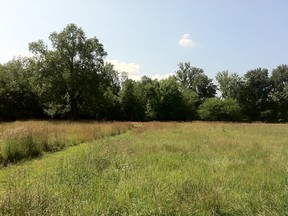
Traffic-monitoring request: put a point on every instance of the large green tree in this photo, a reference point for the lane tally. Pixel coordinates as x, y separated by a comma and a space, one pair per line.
19, 95
229, 84
132, 101
195, 79
172, 106
191, 103
151, 95
279, 93
254, 94
70, 71
108, 106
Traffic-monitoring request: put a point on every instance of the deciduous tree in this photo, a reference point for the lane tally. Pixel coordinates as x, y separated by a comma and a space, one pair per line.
228, 84
194, 78
279, 93
19, 96
71, 71
254, 93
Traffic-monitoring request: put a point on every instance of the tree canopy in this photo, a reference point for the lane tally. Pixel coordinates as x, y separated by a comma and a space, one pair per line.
71, 71
71, 80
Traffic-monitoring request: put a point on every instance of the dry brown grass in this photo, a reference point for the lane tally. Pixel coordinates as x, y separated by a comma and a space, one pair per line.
26, 139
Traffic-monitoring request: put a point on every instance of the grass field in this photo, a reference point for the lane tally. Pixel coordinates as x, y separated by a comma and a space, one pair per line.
30, 139
157, 169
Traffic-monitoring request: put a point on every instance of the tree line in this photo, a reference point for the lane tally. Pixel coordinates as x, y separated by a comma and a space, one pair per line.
72, 81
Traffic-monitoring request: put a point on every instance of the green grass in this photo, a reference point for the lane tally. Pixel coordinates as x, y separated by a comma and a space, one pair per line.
158, 169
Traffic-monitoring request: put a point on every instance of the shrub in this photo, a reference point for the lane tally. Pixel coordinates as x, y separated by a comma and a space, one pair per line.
216, 109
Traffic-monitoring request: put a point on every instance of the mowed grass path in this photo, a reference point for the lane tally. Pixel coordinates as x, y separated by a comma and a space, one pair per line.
158, 169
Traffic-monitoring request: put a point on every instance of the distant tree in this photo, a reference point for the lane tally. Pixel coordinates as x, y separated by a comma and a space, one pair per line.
172, 106
151, 94
278, 95
71, 71
229, 84
165, 100
194, 79
110, 78
216, 109
206, 88
191, 103
188, 76
19, 96
123, 77
132, 101
145, 80
110, 86
254, 94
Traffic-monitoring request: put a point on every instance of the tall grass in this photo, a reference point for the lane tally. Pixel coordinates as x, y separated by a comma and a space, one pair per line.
158, 169
24, 140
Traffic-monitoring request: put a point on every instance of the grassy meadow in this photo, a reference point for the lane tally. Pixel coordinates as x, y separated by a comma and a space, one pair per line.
29, 139
155, 169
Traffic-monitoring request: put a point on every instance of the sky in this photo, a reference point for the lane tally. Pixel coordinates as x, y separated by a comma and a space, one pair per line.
151, 37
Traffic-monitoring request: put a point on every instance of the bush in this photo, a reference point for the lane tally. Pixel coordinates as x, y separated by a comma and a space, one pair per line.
216, 109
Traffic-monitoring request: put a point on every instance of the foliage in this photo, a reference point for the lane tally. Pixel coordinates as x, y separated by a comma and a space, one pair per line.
71, 71
72, 81
133, 107
171, 100
194, 78
18, 91
278, 97
254, 93
229, 84
215, 109
151, 92
191, 102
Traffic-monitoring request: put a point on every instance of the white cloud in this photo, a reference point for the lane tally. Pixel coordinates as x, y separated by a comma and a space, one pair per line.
186, 41
7, 57
132, 69
160, 77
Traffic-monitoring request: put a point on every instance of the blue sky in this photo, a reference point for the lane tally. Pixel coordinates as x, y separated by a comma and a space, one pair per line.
150, 37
